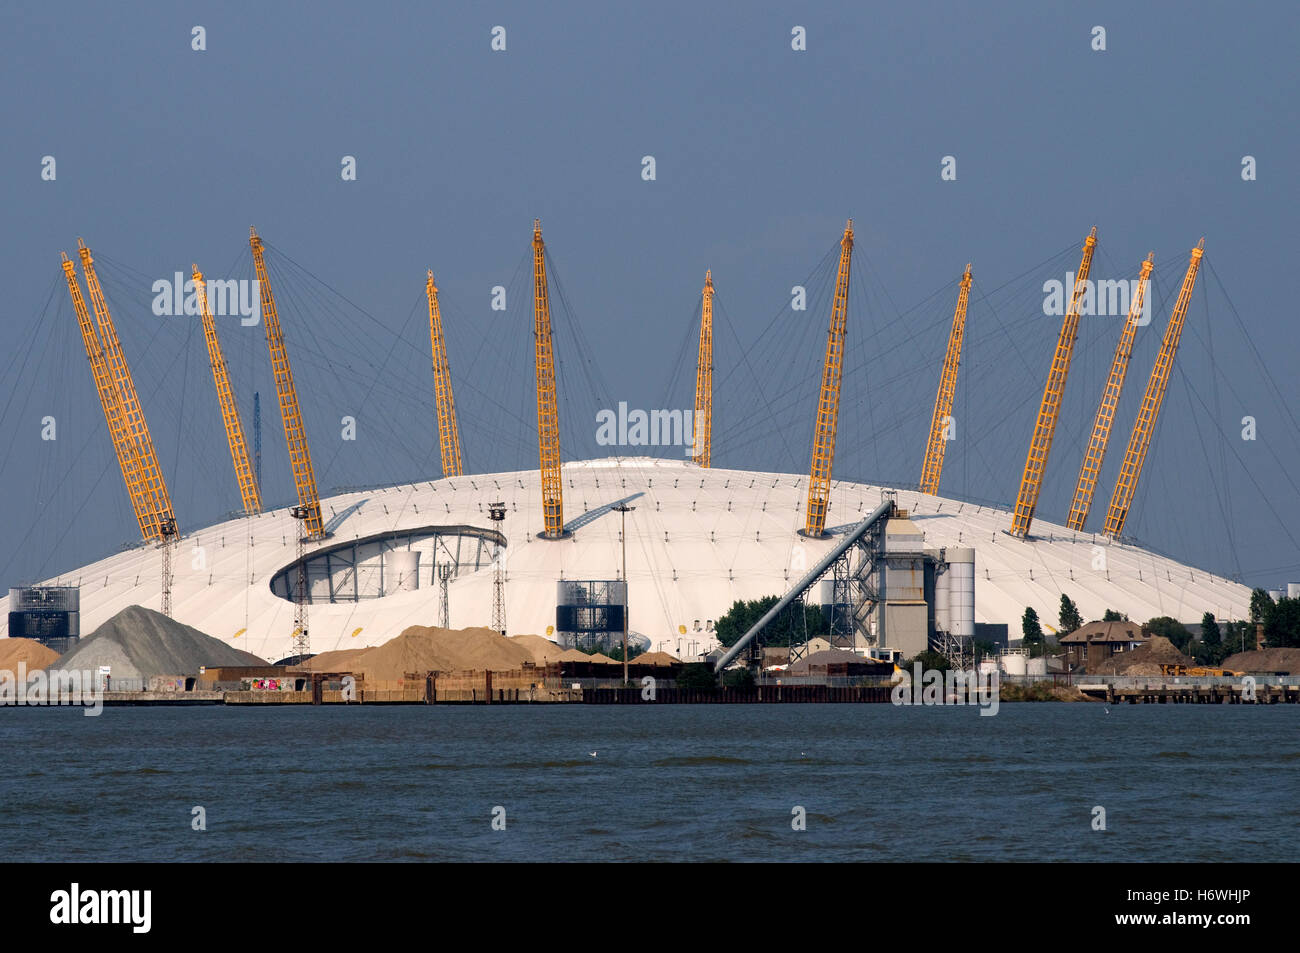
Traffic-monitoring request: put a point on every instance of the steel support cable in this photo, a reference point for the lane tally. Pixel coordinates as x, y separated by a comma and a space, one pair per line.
1219, 497
594, 378
784, 350
34, 335
1223, 458
288, 292
74, 522
722, 445
692, 333
1250, 475
1286, 407
821, 268
1269, 445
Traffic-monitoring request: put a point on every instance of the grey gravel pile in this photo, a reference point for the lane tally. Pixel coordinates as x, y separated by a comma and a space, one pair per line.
140, 643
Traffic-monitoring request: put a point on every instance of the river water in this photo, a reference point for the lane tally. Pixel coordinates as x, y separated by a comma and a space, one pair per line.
687, 782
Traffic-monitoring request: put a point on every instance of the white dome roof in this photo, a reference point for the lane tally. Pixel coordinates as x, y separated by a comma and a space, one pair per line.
697, 541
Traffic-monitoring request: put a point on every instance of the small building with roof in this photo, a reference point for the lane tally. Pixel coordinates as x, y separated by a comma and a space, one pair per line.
1090, 645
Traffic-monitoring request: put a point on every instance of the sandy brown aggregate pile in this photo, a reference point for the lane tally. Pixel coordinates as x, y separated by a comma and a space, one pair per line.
1259, 661
33, 653
422, 649
1144, 660
544, 651
339, 660
655, 658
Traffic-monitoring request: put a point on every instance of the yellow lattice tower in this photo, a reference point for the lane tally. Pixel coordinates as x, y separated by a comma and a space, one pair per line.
1095, 455
249, 492
109, 400
704, 379
295, 434
828, 403
548, 418
1145, 425
448, 429
160, 522
1050, 409
932, 466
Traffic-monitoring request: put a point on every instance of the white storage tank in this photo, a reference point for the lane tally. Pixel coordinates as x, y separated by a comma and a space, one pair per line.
1036, 666
402, 570
1293, 590
1276, 594
942, 598
1014, 664
988, 666
961, 591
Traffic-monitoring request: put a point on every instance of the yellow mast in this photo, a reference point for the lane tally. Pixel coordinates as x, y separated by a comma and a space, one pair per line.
1101, 426
295, 434
548, 419
1049, 411
932, 466
109, 400
248, 489
448, 430
828, 404
704, 379
1143, 428
160, 522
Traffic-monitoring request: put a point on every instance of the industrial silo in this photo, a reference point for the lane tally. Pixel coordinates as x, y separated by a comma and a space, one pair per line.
961, 591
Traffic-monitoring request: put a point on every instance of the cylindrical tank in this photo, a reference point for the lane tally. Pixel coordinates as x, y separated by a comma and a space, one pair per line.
1276, 594
402, 570
961, 592
942, 601
1293, 590
988, 666
1036, 666
1013, 664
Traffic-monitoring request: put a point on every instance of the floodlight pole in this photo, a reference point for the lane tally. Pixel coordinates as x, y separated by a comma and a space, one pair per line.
624, 509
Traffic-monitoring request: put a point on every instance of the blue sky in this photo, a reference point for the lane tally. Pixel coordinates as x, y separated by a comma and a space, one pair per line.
165, 155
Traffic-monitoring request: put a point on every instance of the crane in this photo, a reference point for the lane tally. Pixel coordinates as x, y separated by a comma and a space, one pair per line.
828, 404
1096, 453
1048, 412
704, 379
109, 400
548, 418
160, 523
448, 430
1143, 428
932, 466
249, 492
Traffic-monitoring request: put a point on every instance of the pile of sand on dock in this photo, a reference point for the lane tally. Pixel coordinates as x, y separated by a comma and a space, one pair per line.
141, 643
1265, 661
655, 658
29, 651
577, 655
421, 649
340, 660
1144, 660
544, 651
